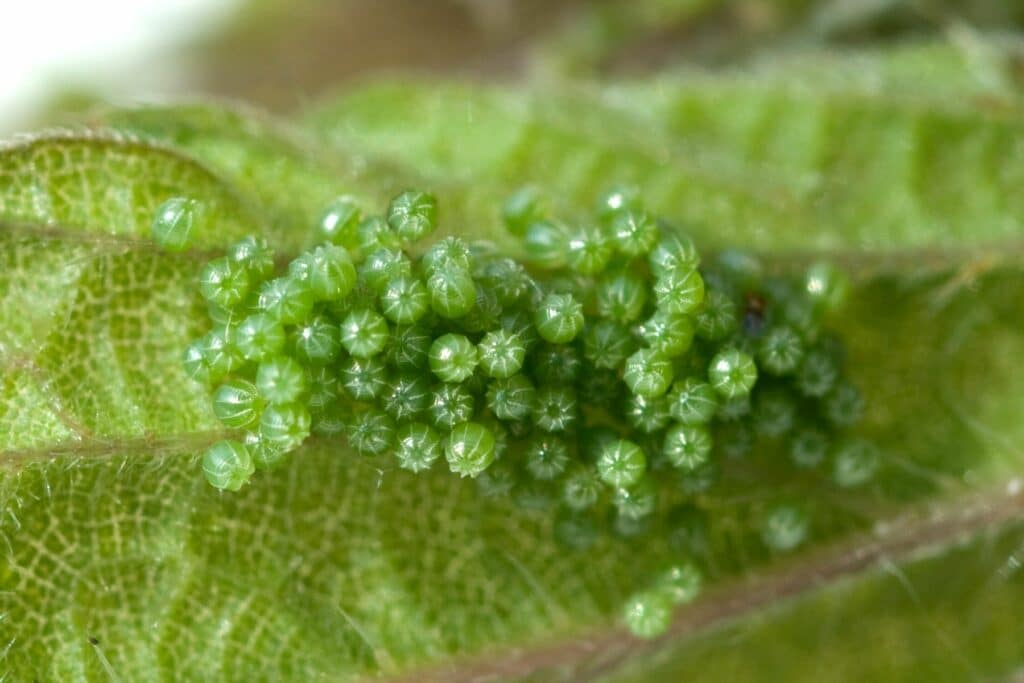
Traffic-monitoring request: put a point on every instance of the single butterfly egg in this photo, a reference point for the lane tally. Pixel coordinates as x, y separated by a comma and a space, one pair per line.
417, 446
450, 404
364, 379
404, 300
547, 456
470, 449
280, 379
453, 358
410, 347
371, 432
447, 253
175, 223
818, 373
220, 352
844, 405
634, 232
637, 501
237, 404
331, 273
717, 317
780, 351
785, 527
621, 296
555, 409
607, 344
285, 425
546, 245
224, 283
621, 463
255, 255
671, 334
808, 447
556, 364
287, 299
559, 318
856, 462
674, 251
687, 447
501, 353
648, 373
826, 286
413, 215
339, 222
266, 454
382, 266
513, 398
452, 292
373, 234
683, 582
693, 401
732, 373
228, 465
679, 291
407, 396
524, 208
581, 488
648, 614
364, 333
259, 336
647, 414
588, 251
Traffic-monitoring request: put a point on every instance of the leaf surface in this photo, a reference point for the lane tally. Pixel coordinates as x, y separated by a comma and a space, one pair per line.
339, 568
880, 151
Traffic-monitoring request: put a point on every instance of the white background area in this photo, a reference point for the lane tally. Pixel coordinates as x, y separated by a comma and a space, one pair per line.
113, 46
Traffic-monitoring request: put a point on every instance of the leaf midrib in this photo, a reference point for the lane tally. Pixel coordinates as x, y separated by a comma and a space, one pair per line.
928, 529
97, 448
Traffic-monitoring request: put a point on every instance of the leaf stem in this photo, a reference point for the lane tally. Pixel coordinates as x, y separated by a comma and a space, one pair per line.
192, 442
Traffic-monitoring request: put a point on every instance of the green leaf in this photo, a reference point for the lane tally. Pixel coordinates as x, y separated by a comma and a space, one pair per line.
275, 165
93, 351
792, 157
120, 561
50, 180
494, 141
916, 621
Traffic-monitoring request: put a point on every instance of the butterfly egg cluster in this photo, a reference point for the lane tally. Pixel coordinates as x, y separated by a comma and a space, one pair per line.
602, 378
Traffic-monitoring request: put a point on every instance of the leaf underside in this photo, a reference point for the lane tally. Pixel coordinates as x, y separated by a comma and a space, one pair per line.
118, 559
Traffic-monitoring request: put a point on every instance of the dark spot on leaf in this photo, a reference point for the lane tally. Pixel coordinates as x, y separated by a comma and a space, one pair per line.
753, 314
